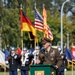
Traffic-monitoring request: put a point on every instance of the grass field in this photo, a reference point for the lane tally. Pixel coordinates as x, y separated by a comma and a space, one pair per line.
67, 73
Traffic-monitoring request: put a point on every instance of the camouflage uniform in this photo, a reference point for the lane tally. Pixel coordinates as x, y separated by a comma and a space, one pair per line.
49, 55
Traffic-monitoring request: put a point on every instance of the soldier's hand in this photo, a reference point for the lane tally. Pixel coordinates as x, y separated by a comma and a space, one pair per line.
21, 59
31, 62
15, 56
9, 58
37, 61
56, 66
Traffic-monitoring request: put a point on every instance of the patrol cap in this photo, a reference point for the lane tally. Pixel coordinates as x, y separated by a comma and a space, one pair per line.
24, 49
37, 48
45, 40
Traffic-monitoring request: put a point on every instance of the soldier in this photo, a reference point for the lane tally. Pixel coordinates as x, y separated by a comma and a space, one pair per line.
64, 62
12, 59
31, 49
49, 55
36, 54
25, 62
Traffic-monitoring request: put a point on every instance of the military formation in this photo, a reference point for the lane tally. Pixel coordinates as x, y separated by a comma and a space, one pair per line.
41, 55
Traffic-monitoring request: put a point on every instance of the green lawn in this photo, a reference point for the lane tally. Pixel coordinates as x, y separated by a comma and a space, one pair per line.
67, 73
70, 73
7, 73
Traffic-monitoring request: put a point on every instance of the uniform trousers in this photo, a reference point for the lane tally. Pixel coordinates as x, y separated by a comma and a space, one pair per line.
13, 72
24, 72
61, 73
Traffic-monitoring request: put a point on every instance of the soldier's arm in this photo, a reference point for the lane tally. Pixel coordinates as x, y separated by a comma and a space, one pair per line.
41, 58
9, 58
58, 58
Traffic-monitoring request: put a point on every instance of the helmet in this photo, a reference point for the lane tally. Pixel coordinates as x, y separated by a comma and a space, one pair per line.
24, 49
59, 48
37, 48
12, 48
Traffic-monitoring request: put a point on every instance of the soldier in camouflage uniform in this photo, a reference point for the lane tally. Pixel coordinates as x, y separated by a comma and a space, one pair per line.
49, 55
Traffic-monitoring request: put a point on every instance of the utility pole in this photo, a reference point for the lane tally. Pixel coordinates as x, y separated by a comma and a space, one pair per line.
62, 24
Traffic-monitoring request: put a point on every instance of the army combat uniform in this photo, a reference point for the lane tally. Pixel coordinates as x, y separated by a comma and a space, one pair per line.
52, 57
49, 55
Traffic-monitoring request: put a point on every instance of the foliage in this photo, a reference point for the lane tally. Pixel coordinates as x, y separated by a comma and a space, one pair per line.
10, 21
10, 25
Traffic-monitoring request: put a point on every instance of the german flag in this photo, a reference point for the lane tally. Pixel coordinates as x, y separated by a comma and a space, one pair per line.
26, 24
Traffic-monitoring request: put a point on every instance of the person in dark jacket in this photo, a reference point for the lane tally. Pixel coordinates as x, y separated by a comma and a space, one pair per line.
64, 63
12, 59
25, 62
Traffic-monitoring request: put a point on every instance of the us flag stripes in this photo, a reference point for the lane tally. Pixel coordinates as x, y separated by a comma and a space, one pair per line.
38, 21
39, 24
50, 35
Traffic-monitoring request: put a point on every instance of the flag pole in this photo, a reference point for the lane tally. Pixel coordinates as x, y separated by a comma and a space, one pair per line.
72, 66
21, 25
35, 31
72, 63
43, 20
21, 29
22, 43
35, 41
22, 38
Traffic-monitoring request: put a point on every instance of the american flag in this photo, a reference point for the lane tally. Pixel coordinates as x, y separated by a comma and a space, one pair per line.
50, 35
40, 26
38, 21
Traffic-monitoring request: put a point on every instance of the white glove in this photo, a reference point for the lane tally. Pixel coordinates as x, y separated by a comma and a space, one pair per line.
15, 56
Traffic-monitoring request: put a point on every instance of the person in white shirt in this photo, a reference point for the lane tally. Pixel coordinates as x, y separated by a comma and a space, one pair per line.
24, 62
36, 53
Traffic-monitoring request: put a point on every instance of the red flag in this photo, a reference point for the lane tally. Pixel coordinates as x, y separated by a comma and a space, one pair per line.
73, 52
19, 51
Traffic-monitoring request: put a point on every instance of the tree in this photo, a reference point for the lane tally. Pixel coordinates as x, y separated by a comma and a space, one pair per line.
11, 24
